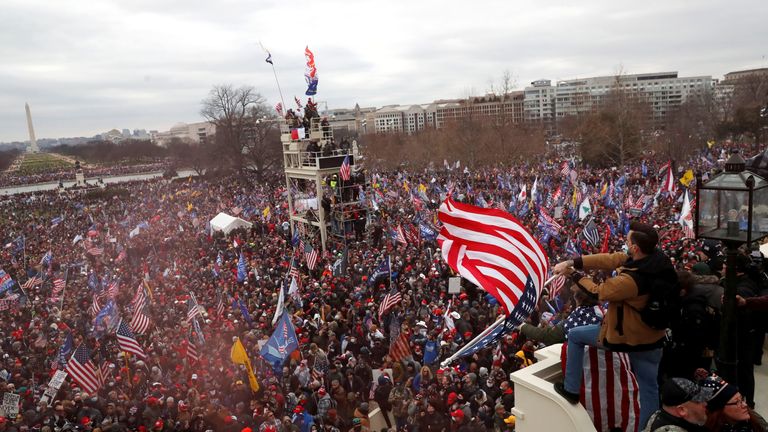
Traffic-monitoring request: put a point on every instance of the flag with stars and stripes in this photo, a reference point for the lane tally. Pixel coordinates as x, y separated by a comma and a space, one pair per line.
139, 299
127, 340
400, 349
345, 171
310, 255
193, 309
140, 322
390, 300
95, 306
192, 353
83, 371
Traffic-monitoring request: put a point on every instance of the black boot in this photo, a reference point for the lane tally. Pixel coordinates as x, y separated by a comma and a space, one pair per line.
570, 397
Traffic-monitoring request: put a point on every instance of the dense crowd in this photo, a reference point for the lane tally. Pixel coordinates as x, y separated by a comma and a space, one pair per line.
65, 174
153, 237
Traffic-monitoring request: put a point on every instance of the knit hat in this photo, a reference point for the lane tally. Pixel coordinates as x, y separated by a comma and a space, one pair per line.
701, 269
677, 391
722, 392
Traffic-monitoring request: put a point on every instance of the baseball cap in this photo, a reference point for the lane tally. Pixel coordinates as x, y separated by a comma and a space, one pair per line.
677, 391
457, 414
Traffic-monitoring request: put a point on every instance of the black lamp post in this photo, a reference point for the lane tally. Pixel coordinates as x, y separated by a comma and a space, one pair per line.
732, 207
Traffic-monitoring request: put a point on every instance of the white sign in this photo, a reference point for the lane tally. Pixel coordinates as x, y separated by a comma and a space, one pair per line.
58, 379
454, 285
10, 406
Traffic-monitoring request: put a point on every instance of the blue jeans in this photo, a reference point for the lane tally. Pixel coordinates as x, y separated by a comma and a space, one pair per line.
645, 366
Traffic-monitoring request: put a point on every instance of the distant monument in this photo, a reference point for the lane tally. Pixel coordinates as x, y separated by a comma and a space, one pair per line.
33, 148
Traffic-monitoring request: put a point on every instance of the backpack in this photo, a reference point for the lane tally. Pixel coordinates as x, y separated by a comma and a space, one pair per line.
663, 306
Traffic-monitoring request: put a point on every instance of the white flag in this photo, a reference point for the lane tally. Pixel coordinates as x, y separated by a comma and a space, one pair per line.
585, 209
279, 309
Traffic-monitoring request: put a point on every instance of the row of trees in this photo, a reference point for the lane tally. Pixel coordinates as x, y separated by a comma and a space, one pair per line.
7, 157
110, 153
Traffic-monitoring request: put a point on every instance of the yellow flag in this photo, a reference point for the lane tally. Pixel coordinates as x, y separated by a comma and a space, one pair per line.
687, 178
239, 356
574, 198
710, 143
190, 207
405, 186
266, 212
422, 187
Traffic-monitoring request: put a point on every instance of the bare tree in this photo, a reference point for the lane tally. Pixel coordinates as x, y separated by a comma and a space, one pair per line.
230, 110
262, 141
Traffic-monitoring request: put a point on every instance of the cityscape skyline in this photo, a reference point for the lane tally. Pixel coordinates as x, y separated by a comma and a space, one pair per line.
148, 64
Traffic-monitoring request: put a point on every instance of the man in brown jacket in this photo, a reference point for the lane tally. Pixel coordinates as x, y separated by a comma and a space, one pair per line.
622, 328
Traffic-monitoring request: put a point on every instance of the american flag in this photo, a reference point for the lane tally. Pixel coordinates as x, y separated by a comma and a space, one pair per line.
629, 201
83, 371
31, 282
294, 271
220, 307
95, 306
192, 353
113, 289
127, 340
557, 285
668, 184
400, 235
58, 285
279, 108
139, 299
193, 309
390, 300
400, 349
96, 251
549, 221
140, 322
565, 169
493, 250
310, 255
611, 394
345, 171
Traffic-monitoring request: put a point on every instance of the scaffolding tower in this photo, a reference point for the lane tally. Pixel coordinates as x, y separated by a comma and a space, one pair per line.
326, 212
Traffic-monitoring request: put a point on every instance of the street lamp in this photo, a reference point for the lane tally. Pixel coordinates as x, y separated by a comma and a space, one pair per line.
732, 207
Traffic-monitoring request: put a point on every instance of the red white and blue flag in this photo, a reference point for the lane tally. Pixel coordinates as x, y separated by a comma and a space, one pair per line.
127, 340
83, 371
493, 250
345, 171
611, 394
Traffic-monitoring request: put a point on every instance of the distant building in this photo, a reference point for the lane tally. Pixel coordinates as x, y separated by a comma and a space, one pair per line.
732, 77
196, 133
664, 91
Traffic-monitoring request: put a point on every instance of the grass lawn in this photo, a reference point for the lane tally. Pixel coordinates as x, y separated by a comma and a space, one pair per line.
36, 163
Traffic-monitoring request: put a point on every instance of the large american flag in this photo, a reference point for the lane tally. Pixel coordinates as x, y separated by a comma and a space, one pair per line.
83, 371
345, 171
400, 349
139, 299
668, 184
390, 300
491, 249
31, 282
611, 394
127, 340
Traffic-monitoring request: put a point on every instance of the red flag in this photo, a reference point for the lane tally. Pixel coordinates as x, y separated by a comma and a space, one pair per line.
606, 239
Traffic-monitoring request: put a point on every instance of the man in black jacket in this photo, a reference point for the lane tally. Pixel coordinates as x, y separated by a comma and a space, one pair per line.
683, 407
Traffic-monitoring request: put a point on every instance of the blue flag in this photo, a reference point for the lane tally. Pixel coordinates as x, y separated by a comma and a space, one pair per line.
65, 351
244, 311
282, 342
106, 320
427, 233
495, 332
431, 351
6, 283
242, 273
382, 270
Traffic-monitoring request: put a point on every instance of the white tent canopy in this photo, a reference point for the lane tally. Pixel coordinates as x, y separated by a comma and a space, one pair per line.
226, 223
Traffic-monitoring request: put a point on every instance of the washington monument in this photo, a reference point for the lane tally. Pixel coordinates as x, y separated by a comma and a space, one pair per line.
32, 141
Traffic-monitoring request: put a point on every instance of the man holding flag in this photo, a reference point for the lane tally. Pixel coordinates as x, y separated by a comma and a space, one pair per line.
623, 329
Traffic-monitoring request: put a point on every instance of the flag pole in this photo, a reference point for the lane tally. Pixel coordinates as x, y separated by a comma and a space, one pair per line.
482, 334
66, 276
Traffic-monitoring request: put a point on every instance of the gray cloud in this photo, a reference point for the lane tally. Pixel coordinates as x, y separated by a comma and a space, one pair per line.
86, 67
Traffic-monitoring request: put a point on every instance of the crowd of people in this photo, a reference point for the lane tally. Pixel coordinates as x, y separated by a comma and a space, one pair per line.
148, 249
9, 179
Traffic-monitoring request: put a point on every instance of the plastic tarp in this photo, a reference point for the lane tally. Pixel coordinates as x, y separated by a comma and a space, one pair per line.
226, 223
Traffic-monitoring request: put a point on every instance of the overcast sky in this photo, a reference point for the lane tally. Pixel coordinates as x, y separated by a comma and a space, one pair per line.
89, 66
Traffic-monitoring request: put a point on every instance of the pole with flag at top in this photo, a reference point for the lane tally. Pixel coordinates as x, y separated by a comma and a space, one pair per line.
271, 63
